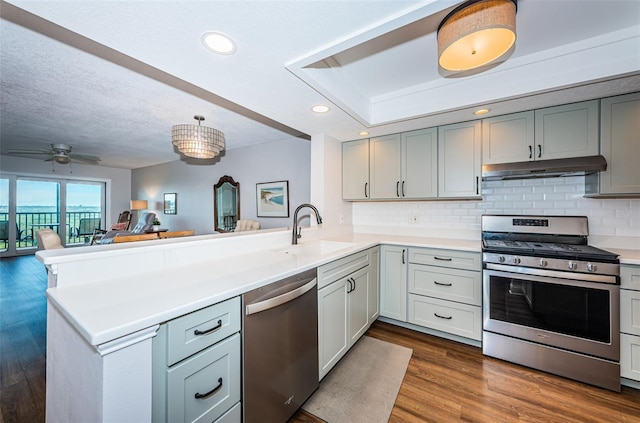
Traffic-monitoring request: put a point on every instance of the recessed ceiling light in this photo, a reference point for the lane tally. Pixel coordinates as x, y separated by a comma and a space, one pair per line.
481, 111
320, 108
218, 42
363, 133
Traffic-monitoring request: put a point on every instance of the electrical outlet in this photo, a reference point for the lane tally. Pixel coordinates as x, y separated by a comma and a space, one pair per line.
413, 219
341, 219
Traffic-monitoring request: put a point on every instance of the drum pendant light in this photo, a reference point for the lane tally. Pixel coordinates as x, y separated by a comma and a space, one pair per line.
476, 33
197, 141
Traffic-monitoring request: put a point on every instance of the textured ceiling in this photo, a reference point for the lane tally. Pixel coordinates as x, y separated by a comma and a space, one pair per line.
111, 78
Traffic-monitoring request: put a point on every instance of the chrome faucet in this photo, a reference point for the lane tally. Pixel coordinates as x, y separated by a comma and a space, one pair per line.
296, 232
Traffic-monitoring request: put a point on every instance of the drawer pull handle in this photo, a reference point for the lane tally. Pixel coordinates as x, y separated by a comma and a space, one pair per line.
216, 327
198, 395
442, 284
442, 317
442, 258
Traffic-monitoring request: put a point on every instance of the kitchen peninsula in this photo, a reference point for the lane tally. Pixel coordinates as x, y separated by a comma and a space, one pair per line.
106, 304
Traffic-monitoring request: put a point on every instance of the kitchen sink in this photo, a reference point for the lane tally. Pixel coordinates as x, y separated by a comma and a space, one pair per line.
316, 248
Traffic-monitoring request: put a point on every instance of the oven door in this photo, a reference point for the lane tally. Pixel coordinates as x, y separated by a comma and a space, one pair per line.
575, 315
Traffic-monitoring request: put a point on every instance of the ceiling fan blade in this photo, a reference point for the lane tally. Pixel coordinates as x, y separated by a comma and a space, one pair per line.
29, 152
84, 158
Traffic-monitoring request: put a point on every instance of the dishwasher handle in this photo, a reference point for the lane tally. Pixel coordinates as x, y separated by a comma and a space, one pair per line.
280, 299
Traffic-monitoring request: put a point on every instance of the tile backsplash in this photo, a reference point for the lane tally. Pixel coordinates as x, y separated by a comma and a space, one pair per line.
546, 196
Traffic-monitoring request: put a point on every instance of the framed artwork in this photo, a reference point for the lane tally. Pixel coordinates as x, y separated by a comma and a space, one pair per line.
272, 199
170, 203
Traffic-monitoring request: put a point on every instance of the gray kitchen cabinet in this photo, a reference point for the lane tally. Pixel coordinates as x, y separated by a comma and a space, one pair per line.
508, 138
570, 130
459, 160
393, 282
558, 132
620, 146
445, 291
385, 167
355, 170
630, 322
419, 164
374, 285
196, 366
345, 290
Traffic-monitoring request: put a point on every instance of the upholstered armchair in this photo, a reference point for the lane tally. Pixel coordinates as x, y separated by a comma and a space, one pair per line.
247, 225
144, 225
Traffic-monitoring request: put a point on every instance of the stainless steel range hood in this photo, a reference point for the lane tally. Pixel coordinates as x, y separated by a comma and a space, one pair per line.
544, 168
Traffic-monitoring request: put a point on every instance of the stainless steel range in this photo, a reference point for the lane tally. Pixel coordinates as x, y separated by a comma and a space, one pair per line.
550, 300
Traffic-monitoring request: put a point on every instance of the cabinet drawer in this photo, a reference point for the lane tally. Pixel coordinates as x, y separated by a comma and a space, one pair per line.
630, 311
463, 286
232, 416
213, 374
196, 331
338, 269
630, 356
446, 258
446, 316
630, 277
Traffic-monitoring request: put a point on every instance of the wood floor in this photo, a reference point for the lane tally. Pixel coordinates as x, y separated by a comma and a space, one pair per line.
445, 381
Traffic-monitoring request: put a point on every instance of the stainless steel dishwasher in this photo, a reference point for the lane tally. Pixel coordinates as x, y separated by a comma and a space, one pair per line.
279, 348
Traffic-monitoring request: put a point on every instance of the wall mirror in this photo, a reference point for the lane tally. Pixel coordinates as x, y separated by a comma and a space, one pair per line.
226, 204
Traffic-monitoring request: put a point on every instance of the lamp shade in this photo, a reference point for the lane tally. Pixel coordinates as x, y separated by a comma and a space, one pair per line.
197, 141
476, 33
139, 204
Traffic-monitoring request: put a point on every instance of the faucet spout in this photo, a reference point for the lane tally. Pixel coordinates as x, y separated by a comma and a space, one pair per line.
296, 234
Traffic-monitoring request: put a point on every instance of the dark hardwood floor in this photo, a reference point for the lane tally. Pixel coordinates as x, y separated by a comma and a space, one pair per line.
445, 382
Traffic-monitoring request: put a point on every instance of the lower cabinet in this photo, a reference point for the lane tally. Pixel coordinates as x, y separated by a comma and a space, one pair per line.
630, 322
393, 282
196, 366
344, 307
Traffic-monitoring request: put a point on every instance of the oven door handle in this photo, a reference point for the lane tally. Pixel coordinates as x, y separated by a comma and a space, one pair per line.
519, 270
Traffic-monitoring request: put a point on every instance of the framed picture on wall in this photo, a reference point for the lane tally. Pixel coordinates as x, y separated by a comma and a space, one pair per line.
171, 203
272, 199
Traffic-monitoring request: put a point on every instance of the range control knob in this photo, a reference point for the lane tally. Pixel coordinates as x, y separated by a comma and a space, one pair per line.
501, 259
543, 263
516, 260
591, 267
572, 265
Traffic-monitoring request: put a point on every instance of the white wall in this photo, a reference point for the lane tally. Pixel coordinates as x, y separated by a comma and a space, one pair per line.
612, 222
277, 161
118, 180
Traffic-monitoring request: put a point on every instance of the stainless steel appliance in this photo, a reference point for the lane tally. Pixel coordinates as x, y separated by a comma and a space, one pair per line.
280, 348
550, 300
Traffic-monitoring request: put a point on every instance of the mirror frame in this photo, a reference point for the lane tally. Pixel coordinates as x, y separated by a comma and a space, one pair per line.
224, 179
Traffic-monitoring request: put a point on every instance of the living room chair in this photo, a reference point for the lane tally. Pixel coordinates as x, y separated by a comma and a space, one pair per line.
144, 225
122, 224
48, 239
85, 227
4, 233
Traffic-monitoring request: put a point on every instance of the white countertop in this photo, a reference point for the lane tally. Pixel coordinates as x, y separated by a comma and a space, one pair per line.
110, 308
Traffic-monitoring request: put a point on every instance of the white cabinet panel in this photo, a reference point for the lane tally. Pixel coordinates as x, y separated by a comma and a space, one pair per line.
374, 285
630, 356
630, 311
355, 170
333, 319
393, 282
459, 160
384, 168
446, 316
420, 164
462, 286
508, 139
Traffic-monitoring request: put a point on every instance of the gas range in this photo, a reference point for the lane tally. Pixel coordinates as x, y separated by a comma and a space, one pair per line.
544, 242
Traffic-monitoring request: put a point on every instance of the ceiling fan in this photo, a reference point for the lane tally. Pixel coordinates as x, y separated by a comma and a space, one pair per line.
59, 153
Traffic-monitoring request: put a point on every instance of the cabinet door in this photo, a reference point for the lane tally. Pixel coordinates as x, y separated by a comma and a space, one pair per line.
459, 153
508, 139
384, 167
333, 340
358, 304
393, 282
630, 312
420, 164
355, 170
374, 285
620, 144
570, 130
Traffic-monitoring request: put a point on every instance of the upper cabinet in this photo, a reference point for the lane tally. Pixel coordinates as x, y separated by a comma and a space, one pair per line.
355, 170
384, 167
570, 130
620, 146
459, 159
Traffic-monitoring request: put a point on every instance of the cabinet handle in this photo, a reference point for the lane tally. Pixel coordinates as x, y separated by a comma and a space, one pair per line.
349, 288
354, 284
366, 185
403, 250
398, 189
215, 328
530, 152
477, 185
443, 258
403, 188
539, 151
198, 395
442, 317
442, 284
